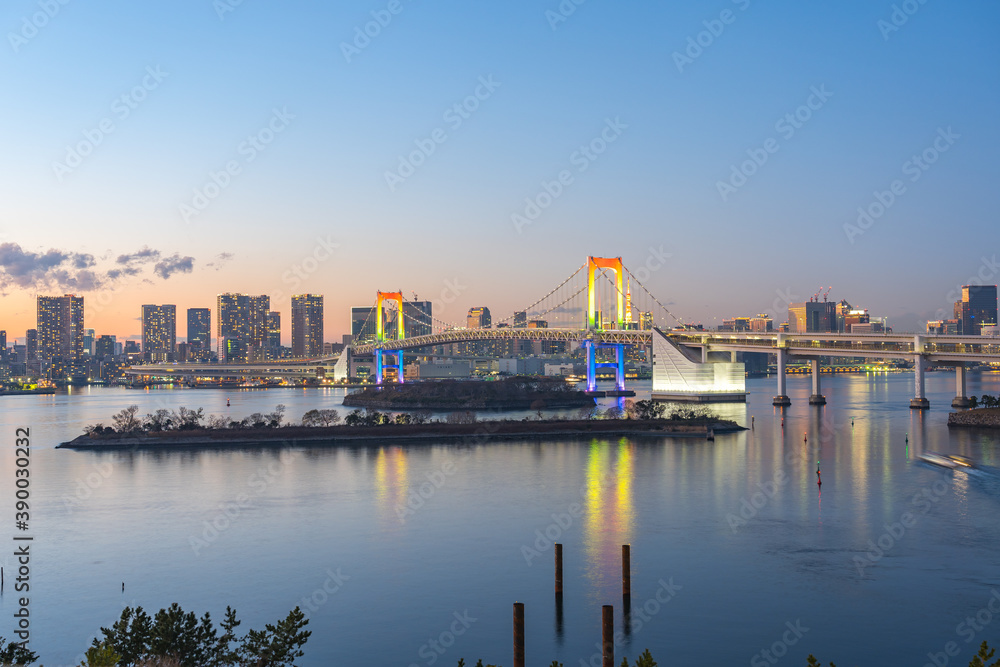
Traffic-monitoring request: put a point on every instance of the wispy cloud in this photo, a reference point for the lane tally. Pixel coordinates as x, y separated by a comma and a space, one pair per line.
79, 272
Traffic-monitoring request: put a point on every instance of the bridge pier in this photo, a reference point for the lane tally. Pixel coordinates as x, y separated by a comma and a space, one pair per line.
618, 364
817, 398
781, 399
960, 400
919, 401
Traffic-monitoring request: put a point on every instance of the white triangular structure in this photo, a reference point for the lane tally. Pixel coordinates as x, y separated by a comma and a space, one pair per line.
681, 375
341, 370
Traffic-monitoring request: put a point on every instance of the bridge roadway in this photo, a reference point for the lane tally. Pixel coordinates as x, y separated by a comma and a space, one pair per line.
922, 350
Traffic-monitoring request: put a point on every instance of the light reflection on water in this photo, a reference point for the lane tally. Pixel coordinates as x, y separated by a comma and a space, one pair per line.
461, 548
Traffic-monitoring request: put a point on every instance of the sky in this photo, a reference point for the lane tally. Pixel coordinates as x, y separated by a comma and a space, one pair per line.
166, 152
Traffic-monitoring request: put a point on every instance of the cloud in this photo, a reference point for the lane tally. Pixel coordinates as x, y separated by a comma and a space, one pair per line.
79, 272
220, 260
146, 254
173, 264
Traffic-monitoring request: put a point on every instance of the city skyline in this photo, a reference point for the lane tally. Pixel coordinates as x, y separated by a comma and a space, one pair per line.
821, 164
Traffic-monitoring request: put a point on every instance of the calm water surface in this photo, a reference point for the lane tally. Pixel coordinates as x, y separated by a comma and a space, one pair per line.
741, 563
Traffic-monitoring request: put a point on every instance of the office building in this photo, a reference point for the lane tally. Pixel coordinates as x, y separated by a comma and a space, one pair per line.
60, 334
88, 342
478, 318
977, 307
273, 335
762, 323
812, 317
241, 332
363, 324
736, 324
646, 320
199, 328
31, 344
104, 347
520, 319
418, 318
159, 332
307, 325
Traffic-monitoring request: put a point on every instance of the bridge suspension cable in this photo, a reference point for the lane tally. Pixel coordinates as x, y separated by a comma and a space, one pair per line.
653, 297
551, 292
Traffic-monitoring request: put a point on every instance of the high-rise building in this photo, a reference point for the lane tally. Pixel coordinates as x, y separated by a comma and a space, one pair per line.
520, 319
363, 325
60, 334
199, 327
762, 322
31, 344
104, 347
3, 345
233, 327
812, 317
307, 325
273, 334
241, 333
478, 318
977, 307
418, 318
260, 306
88, 342
646, 320
159, 332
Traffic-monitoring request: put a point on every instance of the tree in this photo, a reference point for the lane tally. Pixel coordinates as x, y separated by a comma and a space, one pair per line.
126, 420
158, 421
275, 418
192, 642
985, 653
321, 418
188, 420
15, 654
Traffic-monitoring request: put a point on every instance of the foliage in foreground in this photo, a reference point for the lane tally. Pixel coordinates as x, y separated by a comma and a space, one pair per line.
173, 638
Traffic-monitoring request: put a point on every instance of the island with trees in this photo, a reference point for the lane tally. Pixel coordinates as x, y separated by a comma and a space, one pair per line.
186, 428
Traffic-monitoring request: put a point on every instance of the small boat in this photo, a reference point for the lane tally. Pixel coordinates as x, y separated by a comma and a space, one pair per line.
950, 461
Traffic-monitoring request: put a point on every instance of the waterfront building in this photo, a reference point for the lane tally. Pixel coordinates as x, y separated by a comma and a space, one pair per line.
307, 325
159, 332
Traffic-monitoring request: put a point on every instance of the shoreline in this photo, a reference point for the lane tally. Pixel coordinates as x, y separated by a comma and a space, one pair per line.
975, 418
332, 436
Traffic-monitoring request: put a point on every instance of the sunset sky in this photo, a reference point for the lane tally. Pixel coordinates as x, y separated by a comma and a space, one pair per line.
116, 115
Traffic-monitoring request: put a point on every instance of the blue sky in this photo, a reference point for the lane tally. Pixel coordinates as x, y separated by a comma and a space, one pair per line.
555, 85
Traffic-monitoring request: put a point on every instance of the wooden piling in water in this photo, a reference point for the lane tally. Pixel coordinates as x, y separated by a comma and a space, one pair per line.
608, 635
559, 563
626, 570
518, 634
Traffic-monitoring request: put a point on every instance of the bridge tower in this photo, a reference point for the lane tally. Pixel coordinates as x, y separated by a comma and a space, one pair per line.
594, 264
380, 337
